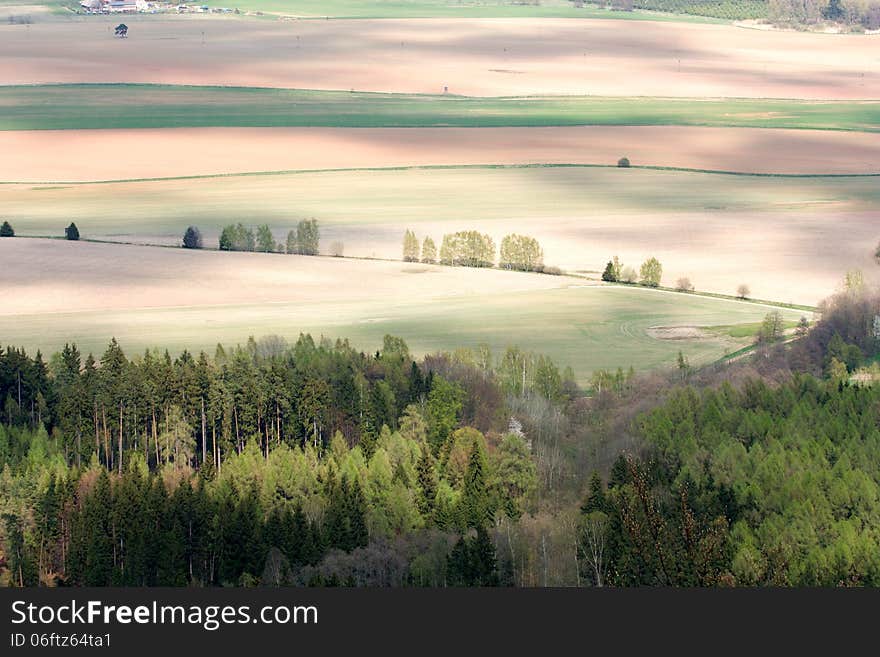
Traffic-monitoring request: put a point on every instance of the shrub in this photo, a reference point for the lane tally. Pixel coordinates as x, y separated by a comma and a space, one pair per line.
628, 275
553, 271
623, 163
684, 285
192, 238
6, 230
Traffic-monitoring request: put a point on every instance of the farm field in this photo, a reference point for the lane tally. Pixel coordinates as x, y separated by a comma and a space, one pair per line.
87, 293
95, 155
476, 57
719, 230
113, 106
411, 9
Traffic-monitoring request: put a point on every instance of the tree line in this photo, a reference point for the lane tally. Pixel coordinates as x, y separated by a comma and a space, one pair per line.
471, 248
650, 273
304, 240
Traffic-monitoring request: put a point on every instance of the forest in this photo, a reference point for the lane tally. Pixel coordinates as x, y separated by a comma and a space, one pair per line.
317, 464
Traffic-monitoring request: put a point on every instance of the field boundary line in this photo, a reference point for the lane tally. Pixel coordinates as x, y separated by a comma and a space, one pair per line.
445, 167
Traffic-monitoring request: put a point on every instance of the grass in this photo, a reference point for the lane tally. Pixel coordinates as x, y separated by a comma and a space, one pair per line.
105, 106
586, 328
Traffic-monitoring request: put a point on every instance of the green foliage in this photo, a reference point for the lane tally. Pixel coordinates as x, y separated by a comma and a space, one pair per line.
467, 248
792, 471
71, 232
651, 272
443, 411
192, 238
735, 10
429, 251
771, 328
410, 247
265, 242
306, 240
522, 253
6, 230
236, 237
472, 561
609, 275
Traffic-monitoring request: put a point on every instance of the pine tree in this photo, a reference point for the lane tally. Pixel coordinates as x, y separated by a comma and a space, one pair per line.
6, 230
71, 232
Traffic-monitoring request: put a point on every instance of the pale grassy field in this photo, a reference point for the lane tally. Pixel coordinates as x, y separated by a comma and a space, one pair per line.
479, 57
91, 155
790, 239
57, 292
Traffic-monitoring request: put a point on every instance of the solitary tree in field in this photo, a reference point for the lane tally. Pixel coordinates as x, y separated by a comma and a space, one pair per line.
743, 291
429, 251
684, 284
192, 238
771, 328
71, 232
6, 230
623, 163
651, 272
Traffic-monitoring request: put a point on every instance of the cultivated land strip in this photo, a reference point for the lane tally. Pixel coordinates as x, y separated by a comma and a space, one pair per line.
113, 106
87, 155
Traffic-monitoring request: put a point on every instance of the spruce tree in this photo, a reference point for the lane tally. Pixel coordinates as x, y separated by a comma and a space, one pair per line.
475, 508
609, 275
71, 232
6, 230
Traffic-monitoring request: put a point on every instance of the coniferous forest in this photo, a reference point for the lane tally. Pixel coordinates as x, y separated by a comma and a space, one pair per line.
317, 464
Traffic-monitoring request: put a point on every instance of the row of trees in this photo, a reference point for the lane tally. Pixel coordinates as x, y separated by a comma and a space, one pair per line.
475, 249
649, 274
70, 233
304, 240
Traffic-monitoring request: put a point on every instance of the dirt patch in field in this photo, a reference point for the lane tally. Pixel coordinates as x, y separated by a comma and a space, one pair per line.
677, 333
88, 155
469, 56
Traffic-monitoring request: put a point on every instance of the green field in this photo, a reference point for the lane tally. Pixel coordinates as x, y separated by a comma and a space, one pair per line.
587, 328
351, 9
97, 106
